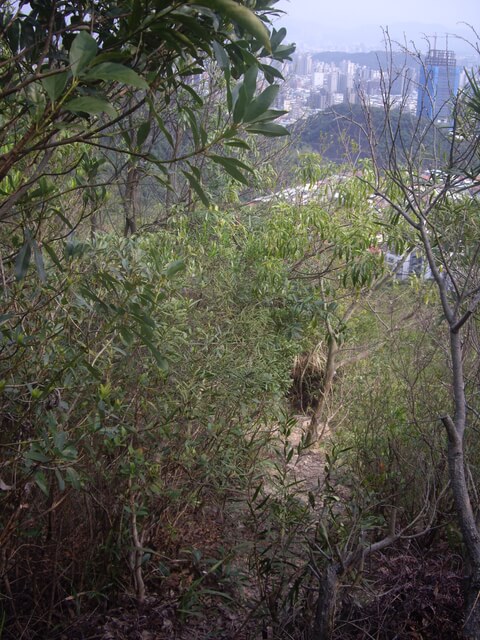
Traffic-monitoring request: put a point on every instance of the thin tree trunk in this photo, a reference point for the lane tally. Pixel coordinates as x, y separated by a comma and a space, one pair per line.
312, 433
459, 483
325, 608
131, 201
417, 204
93, 226
330, 370
456, 452
136, 553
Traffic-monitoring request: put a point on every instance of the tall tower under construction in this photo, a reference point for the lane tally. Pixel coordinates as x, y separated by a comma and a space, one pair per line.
438, 84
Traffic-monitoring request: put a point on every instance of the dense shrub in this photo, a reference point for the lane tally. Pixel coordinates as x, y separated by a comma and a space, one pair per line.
138, 380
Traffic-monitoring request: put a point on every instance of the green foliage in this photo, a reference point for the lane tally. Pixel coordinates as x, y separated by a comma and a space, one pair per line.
144, 380
394, 453
340, 135
139, 378
64, 86
281, 519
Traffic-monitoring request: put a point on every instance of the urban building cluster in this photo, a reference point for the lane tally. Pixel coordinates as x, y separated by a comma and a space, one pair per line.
423, 88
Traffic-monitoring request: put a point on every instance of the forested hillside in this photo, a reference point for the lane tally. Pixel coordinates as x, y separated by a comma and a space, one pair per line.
228, 409
348, 133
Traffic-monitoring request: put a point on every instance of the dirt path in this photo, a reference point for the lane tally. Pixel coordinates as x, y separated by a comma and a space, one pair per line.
309, 466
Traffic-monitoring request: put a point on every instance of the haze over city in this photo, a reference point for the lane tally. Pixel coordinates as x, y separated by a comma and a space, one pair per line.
358, 26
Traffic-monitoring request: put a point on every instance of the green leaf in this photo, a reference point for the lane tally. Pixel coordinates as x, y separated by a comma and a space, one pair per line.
23, 259
278, 37
36, 456
244, 17
175, 267
37, 255
221, 56
232, 166
126, 136
41, 481
69, 453
111, 56
83, 50
193, 94
95, 371
126, 336
55, 84
270, 129
59, 440
197, 187
236, 142
269, 115
73, 478
90, 105
271, 73
256, 492
114, 72
194, 125
161, 361
161, 124
284, 51
240, 100
250, 81
261, 103
60, 480
142, 133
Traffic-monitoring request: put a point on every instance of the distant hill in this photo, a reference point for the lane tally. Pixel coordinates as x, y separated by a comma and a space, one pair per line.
339, 135
371, 59
313, 34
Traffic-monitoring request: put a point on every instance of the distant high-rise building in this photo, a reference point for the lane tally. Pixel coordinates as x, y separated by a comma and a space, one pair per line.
318, 78
438, 83
319, 100
332, 81
303, 64
350, 96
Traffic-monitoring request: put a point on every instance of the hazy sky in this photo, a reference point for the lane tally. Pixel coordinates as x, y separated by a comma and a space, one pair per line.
308, 18
383, 12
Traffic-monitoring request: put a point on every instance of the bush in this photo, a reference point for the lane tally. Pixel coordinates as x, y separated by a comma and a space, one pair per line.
138, 380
